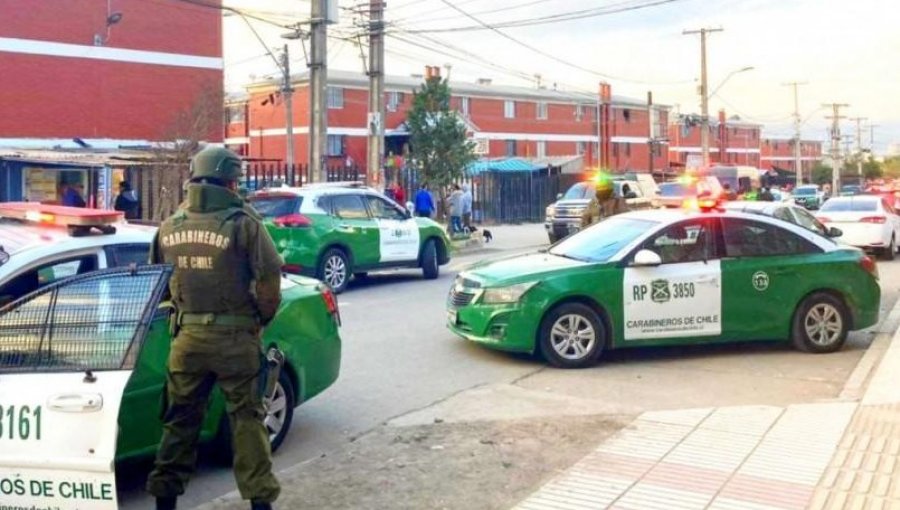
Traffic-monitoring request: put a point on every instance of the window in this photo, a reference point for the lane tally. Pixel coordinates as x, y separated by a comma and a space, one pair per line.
334, 96
350, 207
464, 106
603, 240
275, 206
37, 277
509, 109
689, 241
335, 145
541, 108
123, 255
627, 150
783, 214
615, 151
746, 238
809, 222
234, 113
394, 99
579, 113
541, 149
384, 210
580, 148
510, 147
626, 114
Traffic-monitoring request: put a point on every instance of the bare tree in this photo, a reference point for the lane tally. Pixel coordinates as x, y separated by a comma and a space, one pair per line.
183, 138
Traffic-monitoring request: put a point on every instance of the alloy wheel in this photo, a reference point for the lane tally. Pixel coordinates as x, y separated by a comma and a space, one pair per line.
572, 336
823, 324
335, 271
276, 412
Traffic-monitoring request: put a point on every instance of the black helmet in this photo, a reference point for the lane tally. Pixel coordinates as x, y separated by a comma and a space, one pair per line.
216, 163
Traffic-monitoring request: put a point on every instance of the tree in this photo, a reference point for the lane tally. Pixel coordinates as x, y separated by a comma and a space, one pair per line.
821, 174
440, 148
892, 167
872, 169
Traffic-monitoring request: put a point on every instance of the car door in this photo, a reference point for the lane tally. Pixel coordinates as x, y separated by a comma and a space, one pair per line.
762, 267
355, 228
398, 232
66, 354
681, 298
46, 271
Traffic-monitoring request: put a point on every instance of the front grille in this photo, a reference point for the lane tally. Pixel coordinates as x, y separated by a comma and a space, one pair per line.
569, 212
459, 299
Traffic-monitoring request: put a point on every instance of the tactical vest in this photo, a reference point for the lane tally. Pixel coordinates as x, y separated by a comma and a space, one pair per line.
211, 272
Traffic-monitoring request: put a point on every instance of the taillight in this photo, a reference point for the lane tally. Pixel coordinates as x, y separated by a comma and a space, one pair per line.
873, 219
292, 268
331, 303
292, 221
868, 263
823, 219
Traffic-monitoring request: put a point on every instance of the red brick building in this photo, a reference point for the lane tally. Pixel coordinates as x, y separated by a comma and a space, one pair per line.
731, 141
503, 120
778, 153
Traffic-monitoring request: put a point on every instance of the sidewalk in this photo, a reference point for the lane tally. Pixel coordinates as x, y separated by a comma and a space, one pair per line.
820, 456
505, 237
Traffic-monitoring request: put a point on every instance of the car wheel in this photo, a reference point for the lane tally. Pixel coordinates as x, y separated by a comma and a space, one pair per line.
279, 416
821, 324
334, 269
890, 252
572, 336
430, 267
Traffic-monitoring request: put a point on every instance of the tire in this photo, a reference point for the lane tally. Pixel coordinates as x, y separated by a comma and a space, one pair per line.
430, 267
334, 269
891, 251
223, 450
821, 324
361, 275
559, 341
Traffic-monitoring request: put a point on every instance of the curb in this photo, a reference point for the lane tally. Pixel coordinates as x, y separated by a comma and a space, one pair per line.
856, 385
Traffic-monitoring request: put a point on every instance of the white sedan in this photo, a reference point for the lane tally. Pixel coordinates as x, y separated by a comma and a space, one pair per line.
867, 221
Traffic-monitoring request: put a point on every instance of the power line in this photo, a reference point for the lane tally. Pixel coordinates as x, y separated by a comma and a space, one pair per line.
541, 52
477, 13
234, 10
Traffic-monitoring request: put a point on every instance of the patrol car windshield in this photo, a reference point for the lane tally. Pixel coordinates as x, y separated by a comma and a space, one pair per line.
275, 206
603, 240
804, 192
578, 191
4, 257
672, 189
852, 204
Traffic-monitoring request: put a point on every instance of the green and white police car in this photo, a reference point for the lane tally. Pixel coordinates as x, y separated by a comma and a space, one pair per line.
668, 277
337, 230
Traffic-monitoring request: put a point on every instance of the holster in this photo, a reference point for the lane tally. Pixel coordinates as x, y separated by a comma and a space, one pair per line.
270, 371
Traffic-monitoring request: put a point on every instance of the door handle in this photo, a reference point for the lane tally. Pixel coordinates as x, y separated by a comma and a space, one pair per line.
345, 227
708, 279
76, 403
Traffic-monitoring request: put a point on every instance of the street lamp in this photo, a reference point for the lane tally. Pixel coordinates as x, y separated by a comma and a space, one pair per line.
704, 135
732, 73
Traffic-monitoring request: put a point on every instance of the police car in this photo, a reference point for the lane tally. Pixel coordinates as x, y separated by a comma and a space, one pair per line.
333, 231
84, 342
668, 277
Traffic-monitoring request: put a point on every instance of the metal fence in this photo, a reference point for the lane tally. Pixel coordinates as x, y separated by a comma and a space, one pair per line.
263, 175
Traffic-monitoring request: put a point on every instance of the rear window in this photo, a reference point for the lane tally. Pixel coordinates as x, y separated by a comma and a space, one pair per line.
672, 189
804, 192
580, 190
276, 206
852, 205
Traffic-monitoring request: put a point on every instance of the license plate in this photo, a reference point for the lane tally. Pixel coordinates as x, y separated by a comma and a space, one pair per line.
451, 316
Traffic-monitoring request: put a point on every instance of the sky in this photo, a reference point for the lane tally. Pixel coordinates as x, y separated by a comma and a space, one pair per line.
845, 51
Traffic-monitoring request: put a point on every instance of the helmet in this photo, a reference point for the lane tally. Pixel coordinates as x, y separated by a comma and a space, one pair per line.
603, 187
216, 163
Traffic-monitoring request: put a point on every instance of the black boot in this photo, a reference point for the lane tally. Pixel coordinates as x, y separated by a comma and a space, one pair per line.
166, 503
256, 505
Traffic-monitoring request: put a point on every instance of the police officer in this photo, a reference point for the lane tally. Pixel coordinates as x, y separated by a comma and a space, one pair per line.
604, 204
225, 287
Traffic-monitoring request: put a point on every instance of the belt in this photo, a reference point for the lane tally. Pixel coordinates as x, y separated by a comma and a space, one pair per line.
217, 319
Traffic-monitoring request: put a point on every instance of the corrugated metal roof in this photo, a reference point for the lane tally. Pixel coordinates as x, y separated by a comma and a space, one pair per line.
501, 165
85, 158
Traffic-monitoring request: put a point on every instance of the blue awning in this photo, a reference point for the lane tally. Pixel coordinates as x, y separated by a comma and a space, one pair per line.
501, 165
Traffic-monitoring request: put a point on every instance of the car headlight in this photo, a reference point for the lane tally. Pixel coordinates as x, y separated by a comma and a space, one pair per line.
550, 211
508, 294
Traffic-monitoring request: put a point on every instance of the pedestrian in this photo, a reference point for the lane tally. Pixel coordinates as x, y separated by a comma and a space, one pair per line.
127, 201
424, 204
603, 204
467, 209
399, 194
728, 193
766, 195
389, 192
73, 195
225, 288
456, 209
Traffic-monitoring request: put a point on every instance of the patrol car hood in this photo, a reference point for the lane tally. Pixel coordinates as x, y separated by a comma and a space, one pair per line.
521, 268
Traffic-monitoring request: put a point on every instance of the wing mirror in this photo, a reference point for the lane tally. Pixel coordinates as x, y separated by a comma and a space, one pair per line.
646, 258
834, 232
559, 196
631, 194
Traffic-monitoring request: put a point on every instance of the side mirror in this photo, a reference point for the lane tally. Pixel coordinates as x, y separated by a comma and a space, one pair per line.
646, 258
559, 196
834, 232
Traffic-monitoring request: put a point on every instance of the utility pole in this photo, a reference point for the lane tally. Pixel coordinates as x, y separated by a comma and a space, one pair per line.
704, 92
318, 84
651, 140
872, 139
836, 159
859, 157
798, 121
376, 93
287, 90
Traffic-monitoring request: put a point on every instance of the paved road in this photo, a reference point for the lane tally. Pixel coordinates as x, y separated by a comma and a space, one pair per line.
399, 358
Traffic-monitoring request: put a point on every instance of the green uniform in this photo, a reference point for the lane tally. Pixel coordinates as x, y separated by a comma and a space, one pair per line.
600, 209
225, 288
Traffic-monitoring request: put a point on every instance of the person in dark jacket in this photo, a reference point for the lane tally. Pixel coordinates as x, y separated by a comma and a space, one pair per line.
127, 201
72, 195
